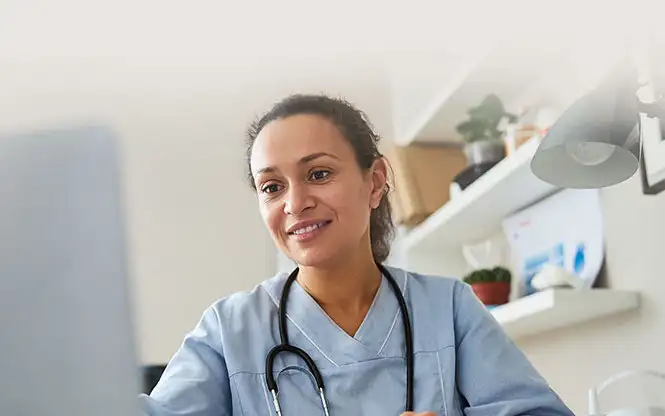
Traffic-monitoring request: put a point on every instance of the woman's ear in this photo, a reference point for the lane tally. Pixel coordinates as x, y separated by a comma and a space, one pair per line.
379, 177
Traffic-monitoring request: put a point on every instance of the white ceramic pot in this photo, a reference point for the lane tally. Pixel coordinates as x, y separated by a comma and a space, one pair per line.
484, 151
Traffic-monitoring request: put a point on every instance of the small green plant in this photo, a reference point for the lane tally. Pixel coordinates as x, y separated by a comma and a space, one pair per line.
502, 274
484, 120
496, 274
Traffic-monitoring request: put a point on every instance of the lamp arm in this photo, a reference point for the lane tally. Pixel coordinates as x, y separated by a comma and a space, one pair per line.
594, 392
655, 109
626, 374
650, 100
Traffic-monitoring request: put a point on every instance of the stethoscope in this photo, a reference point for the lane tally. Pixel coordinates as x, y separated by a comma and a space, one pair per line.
286, 347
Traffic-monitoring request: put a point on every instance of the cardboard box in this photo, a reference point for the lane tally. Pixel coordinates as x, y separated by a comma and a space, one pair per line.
422, 174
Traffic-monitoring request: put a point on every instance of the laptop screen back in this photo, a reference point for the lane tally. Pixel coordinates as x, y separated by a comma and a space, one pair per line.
66, 339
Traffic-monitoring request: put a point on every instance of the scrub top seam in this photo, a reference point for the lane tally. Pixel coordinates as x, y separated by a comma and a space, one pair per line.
385, 341
265, 394
443, 389
371, 308
340, 331
235, 387
255, 373
303, 332
397, 314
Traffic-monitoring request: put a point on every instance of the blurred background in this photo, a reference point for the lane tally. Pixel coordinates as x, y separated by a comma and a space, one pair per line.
177, 84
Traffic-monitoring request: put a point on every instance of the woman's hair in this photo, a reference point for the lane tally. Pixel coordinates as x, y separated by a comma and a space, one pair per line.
354, 126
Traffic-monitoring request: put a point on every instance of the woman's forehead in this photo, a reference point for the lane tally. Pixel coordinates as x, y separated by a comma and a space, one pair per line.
288, 140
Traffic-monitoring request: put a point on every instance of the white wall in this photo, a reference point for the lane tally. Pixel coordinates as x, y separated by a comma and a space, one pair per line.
577, 358
195, 232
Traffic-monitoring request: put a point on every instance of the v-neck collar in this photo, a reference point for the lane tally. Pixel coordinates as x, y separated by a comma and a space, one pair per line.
382, 317
316, 327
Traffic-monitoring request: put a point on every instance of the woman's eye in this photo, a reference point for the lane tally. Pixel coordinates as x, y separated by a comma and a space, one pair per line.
320, 175
270, 188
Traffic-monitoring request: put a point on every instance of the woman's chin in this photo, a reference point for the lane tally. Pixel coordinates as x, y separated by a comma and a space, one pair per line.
313, 257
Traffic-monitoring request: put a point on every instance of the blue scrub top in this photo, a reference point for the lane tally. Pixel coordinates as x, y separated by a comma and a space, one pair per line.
464, 364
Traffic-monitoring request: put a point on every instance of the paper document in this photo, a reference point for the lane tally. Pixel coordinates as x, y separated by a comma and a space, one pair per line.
565, 230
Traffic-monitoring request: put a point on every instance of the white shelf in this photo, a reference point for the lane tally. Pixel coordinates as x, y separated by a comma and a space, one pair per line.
523, 72
558, 308
485, 73
479, 210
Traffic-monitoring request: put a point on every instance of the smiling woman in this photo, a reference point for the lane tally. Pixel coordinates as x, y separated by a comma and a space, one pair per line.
309, 174
333, 147
328, 338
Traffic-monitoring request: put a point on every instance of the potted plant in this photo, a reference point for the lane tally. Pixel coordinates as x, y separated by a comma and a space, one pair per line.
492, 286
483, 143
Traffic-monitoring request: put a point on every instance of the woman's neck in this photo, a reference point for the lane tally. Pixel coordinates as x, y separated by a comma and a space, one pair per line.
345, 291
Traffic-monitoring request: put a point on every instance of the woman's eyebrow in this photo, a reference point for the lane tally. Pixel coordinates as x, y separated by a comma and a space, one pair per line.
313, 156
303, 160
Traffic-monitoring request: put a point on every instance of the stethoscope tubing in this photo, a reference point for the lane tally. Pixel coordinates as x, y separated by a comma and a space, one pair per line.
284, 346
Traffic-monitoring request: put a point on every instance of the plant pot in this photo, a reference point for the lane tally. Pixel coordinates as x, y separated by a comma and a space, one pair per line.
469, 175
492, 293
484, 152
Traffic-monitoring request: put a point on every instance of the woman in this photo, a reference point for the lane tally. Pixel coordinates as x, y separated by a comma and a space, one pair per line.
321, 185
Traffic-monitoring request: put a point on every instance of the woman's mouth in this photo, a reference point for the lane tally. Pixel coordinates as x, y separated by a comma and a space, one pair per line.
308, 232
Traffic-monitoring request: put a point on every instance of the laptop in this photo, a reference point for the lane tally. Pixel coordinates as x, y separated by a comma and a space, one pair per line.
67, 344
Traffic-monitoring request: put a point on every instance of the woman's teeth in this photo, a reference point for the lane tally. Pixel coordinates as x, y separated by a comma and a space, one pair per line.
308, 229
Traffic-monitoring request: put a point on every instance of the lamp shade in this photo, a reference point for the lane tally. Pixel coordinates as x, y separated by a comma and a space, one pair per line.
595, 142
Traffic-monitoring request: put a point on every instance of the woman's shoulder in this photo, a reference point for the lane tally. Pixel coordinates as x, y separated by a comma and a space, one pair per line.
429, 285
261, 296
447, 296
435, 303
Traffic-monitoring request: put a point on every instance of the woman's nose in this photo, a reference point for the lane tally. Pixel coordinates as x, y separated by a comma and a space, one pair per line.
298, 199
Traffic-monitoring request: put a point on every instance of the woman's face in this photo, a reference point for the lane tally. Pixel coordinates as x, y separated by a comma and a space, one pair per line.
314, 198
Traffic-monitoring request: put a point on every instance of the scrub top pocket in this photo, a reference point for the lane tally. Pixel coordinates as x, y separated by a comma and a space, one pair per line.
367, 388
297, 394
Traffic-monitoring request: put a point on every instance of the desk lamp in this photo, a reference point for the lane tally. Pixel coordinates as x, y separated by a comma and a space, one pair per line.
596, 141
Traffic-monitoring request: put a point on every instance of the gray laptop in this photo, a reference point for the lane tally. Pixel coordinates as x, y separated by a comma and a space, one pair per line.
66, 336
